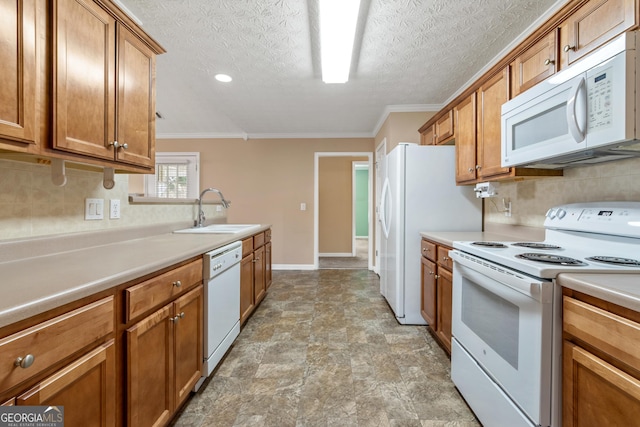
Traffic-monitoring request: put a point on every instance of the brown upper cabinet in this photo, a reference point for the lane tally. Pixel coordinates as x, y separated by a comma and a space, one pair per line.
17, 74
592, 25
466, 163
104, 96
444, 130
427, 135
534, 65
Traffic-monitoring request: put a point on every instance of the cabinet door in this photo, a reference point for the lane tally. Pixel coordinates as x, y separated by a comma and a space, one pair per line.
596, 393
259, 282
465, 113
149, 369
84, 87
246, 287
267, 265
445, 300
595, 23
428, 293
86, 388
491, 96
444, 128
18, 72
534, 65
136, 100
427, 137
188, 342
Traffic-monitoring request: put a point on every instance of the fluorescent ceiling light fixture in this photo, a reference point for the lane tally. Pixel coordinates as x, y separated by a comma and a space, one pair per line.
338, 20
223, 78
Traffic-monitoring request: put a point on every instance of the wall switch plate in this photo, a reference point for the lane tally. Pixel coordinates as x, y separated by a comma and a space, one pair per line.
114, 209
303, 206
93, 209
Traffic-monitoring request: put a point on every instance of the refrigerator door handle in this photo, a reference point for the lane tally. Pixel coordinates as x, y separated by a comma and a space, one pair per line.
385, 219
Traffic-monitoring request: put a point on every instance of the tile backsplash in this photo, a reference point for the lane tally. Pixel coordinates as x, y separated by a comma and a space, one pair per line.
530, 199
31, 205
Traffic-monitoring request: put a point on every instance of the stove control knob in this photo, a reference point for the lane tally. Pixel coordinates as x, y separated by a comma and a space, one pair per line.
561, 213
551, 213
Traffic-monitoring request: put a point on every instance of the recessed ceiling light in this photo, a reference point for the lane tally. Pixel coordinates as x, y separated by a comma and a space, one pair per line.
223, 78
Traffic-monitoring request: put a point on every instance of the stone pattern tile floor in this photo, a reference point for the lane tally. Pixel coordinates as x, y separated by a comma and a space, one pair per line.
324, 349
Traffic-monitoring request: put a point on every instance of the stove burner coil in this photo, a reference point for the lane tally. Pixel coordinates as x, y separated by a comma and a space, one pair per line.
551, 259
489, 244
615, 260
535, 245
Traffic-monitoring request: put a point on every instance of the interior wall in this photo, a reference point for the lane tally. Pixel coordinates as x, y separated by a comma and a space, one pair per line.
402, 127
335, 210
266, 181
530, 199
362, 202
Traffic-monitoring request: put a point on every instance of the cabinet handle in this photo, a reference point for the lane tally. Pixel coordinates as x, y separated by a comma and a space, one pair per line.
445, 258
425, 249
548, 62
25, 362
177, 283
567, 48
431, 273
116, 145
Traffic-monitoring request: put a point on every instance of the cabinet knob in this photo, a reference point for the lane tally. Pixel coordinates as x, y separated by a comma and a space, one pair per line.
177, 283
174, 319
431, 273
478, 167
116, 145
181, 315
567, 48
445, 258
548, 62
25, 362
436, 277
470, 169
425, 249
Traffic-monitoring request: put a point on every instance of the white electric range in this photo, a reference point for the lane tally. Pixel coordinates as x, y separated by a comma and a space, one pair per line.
506, 321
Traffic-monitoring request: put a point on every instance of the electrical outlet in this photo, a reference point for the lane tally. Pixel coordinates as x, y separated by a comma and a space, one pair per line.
114, 209
93, 209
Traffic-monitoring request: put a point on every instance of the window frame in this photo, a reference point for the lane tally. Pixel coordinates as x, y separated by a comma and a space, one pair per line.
192, 159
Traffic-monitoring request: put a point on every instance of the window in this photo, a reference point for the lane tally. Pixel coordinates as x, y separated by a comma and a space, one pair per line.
176, 177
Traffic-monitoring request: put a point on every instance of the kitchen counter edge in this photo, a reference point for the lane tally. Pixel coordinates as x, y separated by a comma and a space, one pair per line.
617, 288
46, 282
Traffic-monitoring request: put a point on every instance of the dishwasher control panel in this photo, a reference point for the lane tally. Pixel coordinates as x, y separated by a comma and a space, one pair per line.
221, 259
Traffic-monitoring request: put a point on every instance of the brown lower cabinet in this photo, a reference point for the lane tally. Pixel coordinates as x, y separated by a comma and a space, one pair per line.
128, 356
601, 363
255, 272
436, 290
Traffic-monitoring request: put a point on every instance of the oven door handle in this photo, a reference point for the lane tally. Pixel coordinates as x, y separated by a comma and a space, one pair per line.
475, 268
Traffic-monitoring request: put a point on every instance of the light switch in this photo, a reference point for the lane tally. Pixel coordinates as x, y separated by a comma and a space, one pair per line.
93, 209
303, 206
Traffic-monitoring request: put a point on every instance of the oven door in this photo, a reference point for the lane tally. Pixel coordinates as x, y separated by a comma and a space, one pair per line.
503, 319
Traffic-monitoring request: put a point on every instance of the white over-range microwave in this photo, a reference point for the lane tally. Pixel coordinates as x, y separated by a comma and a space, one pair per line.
586, 113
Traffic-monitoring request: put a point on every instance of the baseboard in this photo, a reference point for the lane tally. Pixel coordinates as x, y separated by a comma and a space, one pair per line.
293, 267
336, 254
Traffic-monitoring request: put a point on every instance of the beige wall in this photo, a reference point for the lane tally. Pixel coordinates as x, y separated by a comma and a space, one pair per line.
266, 180
402, 127
335, 200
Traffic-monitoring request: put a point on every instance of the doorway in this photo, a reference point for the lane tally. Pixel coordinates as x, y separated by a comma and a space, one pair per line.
335, 198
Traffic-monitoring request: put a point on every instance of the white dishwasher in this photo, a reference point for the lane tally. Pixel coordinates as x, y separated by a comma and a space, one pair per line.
222, 304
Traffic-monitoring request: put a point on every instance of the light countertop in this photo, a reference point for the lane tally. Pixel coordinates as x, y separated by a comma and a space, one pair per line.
495, 233
37, 284
620, 289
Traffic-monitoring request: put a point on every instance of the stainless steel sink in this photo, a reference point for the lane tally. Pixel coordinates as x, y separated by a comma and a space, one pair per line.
219, 229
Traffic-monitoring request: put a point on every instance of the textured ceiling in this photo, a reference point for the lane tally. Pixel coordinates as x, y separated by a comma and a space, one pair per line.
411, 55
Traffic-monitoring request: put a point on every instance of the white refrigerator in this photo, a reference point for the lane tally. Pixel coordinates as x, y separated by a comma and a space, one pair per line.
419, 194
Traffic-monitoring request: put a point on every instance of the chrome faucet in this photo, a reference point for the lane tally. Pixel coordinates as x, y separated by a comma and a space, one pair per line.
226, 203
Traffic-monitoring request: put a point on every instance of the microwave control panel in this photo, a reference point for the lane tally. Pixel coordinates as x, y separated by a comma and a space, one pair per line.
600, 104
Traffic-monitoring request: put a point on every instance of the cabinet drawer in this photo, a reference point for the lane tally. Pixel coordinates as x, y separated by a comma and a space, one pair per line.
258, 240
51, 341
267, 235
613, 334
444, 259
161, 289
247, 246
428, 250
